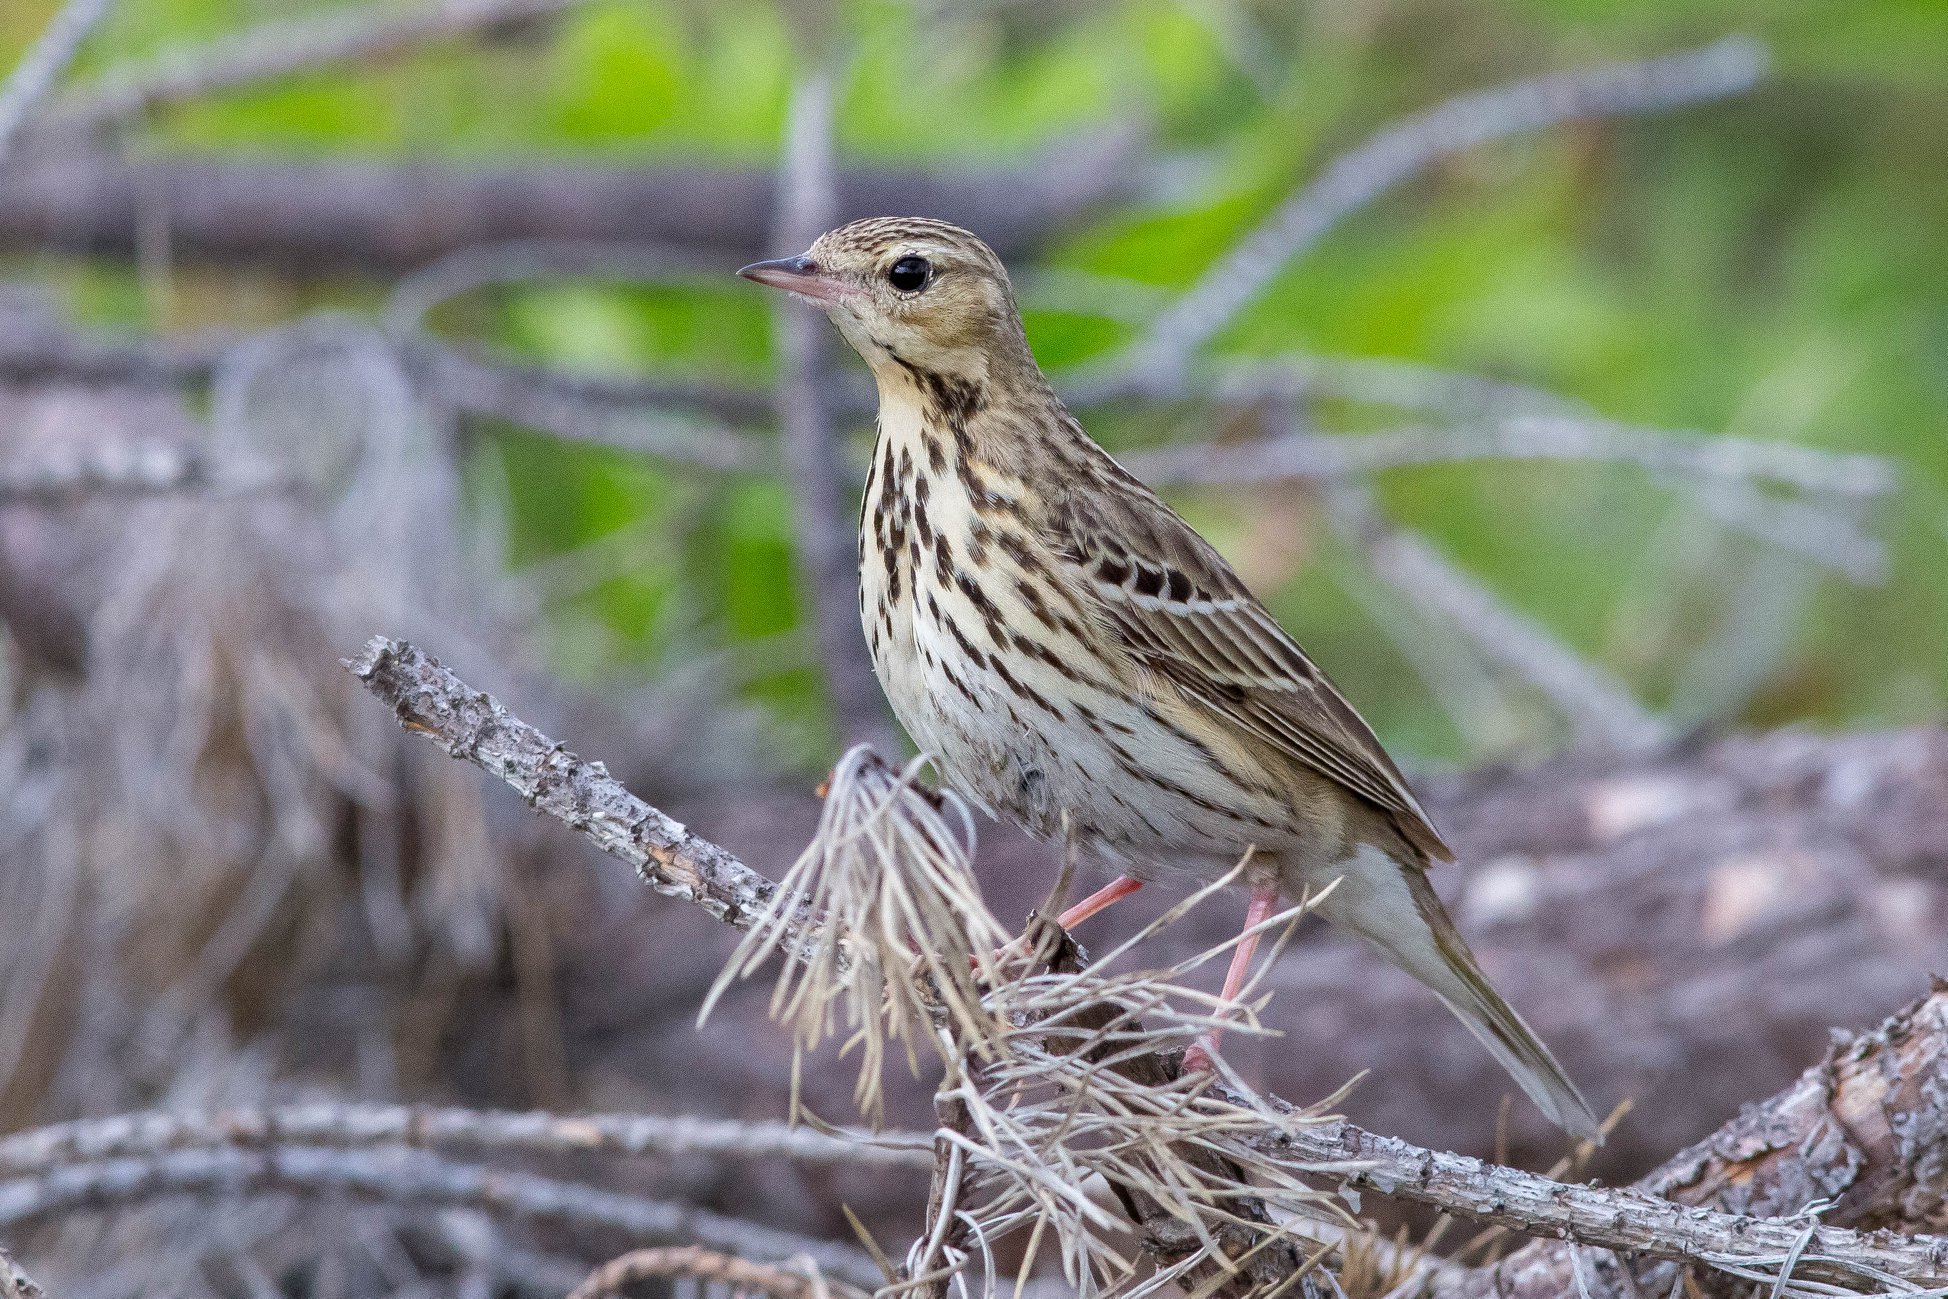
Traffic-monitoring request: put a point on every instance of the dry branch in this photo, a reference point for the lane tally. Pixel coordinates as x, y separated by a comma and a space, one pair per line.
280, 49
582, 410
1600, 708
43, 65
1262, 1258
1864, 1133
332, 217
826, 550
41, 1151
433, 701
402, 1177
1526, 437
471, 725
670, 419
1406, 148
129, 469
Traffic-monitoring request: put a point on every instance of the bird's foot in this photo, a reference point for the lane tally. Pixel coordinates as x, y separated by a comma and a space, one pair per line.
1202, 1056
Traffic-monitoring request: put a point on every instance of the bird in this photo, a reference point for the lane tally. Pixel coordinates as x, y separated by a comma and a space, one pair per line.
1075, 658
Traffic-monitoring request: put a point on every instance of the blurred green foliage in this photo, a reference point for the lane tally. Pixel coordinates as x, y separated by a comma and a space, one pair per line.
1774, 266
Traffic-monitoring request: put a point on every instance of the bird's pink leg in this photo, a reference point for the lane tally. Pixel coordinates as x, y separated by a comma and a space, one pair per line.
1116, 890
1264, 897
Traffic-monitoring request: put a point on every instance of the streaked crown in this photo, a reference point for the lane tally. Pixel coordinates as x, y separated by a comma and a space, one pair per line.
909, 291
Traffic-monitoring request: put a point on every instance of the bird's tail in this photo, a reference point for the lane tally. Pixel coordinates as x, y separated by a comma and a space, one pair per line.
1395, 910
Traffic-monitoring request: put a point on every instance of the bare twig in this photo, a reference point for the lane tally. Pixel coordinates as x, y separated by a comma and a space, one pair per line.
826, 550
37, 347
692, 423
472, 269
1601, 709
335, 216
1721, 473
44, 63
1406, 148
130, 469
740, 1275
41, 1151
279, 49
468, 724
578, 410
14, 1282
402, 1177
1526, 437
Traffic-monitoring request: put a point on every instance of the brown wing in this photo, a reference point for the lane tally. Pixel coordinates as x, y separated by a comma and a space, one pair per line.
1182, 610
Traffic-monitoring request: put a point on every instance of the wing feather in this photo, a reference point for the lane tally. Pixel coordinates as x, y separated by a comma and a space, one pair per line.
1188, 617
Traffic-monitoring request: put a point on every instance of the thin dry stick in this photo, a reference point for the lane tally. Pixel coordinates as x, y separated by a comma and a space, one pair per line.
1406, 148
280, 49
40, 1151
130, 469
415, 296
15, 1283
44, 62
827, 551
303, 215
468, 724
740, 1275
402, 1177
1601, 708
1501, 420
578, 410
1525, 437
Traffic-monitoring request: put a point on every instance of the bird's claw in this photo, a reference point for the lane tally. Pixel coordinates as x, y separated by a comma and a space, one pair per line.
1202, 1056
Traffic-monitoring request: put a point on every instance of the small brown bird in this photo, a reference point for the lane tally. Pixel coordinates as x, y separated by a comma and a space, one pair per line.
1072, 654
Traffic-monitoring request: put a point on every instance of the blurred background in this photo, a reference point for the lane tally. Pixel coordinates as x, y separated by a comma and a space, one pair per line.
1589, 431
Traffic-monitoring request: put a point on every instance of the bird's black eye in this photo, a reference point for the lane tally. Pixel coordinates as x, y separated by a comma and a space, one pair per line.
909, 274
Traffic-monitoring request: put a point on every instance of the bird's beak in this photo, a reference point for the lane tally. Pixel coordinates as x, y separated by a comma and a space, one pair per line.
799, 275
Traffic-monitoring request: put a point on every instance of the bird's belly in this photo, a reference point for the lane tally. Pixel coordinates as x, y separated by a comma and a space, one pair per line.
1065, 752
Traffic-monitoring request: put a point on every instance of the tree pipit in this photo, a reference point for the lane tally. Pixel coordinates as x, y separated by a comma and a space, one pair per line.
1072, 654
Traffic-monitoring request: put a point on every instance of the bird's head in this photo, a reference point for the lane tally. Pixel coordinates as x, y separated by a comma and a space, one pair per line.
909, 293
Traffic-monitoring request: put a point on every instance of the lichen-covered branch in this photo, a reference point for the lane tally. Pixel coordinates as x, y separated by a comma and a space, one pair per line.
468, 724
471, 725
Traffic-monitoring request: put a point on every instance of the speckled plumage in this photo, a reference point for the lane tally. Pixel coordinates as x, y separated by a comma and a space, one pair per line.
1072, 653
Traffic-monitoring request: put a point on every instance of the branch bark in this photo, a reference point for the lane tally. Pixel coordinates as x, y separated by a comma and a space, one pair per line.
1864, 1132
433, 701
